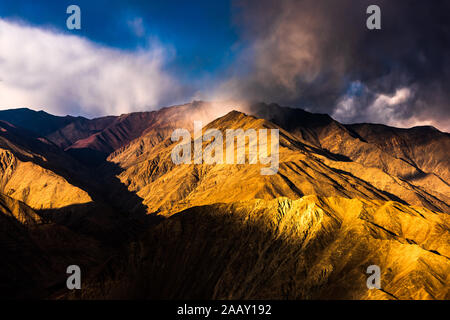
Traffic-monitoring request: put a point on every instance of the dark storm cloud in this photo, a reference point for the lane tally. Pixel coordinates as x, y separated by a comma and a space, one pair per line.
309, 53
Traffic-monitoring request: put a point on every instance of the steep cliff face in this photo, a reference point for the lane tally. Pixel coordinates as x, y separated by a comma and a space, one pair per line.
311, 248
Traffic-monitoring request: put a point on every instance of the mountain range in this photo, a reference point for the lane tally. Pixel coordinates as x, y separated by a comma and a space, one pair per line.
105, 194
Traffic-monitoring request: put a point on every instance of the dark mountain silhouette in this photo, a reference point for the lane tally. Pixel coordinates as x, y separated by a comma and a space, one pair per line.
38, 122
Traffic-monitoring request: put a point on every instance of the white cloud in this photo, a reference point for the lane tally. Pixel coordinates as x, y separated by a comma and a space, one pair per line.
401, 96
66, 74
385, 108
368, 106
346, 109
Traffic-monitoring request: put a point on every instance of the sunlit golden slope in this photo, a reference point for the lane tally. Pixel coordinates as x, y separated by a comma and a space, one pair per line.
18, 210
432, 179
418, 156
342, 200
424, 147
304, 170
311, 248
26, 174
160, 125
38, 187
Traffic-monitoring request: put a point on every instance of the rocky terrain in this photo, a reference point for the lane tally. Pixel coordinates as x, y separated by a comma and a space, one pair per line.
104, 194
310, 248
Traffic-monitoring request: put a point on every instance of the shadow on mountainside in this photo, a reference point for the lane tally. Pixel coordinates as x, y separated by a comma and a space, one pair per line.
210, 253
97, 179
386, 195
116, 215
35, 257
87, 170
85, 234
250, 252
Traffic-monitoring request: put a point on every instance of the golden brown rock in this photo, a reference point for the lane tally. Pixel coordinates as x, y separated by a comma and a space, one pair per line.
310, 248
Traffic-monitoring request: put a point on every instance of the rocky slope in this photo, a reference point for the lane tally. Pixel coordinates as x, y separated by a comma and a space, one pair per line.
414, 145
310, 248
417, 156
153, 125
303, 170
105, 194
18, 210
33, 171
35, 253
38, 187
77, 130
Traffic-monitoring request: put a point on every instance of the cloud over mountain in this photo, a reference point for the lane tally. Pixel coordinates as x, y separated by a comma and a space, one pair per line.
312, 53
67, 74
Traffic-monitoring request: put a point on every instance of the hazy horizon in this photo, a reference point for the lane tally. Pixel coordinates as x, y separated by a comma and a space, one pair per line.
237, 109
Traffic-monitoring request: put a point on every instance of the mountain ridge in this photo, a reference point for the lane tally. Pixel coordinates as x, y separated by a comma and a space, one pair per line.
344, 197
